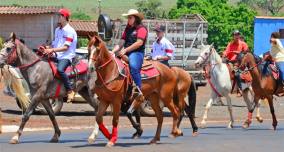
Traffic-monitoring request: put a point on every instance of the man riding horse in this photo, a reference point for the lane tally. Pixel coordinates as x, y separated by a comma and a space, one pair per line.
132, 44
233, 49
64, 45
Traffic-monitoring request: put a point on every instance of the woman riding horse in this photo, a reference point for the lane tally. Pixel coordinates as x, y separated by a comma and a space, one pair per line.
133, 40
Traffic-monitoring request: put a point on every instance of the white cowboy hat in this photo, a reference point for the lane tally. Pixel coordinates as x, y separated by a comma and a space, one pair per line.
135, 13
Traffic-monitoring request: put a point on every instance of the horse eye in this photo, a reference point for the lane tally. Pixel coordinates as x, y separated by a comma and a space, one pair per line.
9, 49
206, 53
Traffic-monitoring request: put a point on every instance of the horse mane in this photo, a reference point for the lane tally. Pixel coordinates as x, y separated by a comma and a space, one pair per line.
12, 78
215, 56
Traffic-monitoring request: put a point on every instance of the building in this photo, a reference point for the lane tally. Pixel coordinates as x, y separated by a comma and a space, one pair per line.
34, 24
263, 27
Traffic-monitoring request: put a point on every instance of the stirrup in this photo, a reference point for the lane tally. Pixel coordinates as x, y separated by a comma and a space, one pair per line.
138, 93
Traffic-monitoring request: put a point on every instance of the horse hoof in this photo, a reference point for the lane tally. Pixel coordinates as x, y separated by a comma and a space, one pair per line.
203, 125
91, 140
14, 141
110, 144
195, 134
230, 126
153, 142
259, 119
54, 140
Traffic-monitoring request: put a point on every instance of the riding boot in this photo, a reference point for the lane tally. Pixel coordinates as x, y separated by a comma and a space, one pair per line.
70, 96
137, 93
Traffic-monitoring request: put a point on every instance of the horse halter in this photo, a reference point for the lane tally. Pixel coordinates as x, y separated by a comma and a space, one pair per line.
13, 55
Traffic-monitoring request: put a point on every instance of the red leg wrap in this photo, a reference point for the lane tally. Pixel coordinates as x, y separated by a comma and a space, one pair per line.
114, 134
104, 130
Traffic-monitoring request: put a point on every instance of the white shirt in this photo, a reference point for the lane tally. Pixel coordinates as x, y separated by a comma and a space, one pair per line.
65, 36
162, 48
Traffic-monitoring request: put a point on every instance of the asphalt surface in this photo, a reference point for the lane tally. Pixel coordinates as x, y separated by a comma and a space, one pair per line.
216, 137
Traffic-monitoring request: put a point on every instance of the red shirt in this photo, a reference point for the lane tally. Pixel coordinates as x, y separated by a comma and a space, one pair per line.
235, 47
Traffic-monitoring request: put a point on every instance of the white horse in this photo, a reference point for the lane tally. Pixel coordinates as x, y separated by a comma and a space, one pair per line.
12, 79
220, 79
221, 86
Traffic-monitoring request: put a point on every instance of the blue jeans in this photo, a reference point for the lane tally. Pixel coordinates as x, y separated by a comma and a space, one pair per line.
280, 66
135, 65
61, 67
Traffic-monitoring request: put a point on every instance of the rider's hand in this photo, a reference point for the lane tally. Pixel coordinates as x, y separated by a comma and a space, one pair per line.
122, 52
48, 51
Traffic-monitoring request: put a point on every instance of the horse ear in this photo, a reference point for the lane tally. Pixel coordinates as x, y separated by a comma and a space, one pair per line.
13, 36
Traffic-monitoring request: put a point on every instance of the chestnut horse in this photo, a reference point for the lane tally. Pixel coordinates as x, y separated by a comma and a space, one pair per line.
111, 88
263, 84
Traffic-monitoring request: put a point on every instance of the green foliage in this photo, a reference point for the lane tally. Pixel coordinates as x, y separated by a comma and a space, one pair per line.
80, 15
272, 7
151, 9
82, 42
1, 42
222, 19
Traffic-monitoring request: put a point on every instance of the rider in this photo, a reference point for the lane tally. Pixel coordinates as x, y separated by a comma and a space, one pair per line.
64, 45
162, 48
132, 44
233, 49
277, 53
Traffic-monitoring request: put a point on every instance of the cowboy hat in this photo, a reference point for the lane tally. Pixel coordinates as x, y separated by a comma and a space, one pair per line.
134, 13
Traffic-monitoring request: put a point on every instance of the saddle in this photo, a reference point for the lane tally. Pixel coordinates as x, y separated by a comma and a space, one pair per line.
77, 68
148, 71
71, 71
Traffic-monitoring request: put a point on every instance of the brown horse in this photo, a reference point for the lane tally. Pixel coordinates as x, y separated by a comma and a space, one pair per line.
111, 88
185, 89
263, 84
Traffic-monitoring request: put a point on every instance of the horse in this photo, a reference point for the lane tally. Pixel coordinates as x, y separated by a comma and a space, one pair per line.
219, 80
41, 81
11, 79
184, 99
264, 84
220, 83
111, 88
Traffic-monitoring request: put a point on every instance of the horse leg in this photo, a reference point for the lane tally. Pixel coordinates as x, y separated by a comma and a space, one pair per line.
115, 119
230, 109
270, 102
99, 118
175, 114
258, 117
51, 115
154, 99
1, 123
25, 118
136, 125
249, 106
84, 92
247, 123
208, 106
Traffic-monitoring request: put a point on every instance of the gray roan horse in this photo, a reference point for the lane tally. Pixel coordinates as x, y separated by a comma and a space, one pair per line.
41, 81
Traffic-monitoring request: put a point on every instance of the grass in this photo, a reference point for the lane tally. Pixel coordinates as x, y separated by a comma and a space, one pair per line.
114, 8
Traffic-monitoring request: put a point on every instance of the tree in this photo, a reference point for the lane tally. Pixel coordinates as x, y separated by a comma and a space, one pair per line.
80, 15
222, 19
151, 9
270, 6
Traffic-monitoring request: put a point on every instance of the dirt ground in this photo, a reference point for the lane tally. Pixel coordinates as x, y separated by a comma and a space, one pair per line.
83, 115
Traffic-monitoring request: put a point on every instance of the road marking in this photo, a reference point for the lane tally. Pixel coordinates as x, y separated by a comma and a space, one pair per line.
14, 128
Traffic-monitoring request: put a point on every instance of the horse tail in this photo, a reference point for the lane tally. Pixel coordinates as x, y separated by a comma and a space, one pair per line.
12, 78
191, 99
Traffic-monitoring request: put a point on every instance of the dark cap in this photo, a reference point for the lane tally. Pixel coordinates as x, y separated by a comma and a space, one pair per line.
236, 32
160, 28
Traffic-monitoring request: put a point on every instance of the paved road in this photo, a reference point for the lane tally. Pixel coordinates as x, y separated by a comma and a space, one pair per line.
215, 138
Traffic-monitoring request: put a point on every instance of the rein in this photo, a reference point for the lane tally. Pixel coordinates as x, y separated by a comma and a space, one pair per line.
105, 83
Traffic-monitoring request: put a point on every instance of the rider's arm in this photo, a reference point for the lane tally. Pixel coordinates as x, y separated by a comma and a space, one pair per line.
225, 53
118, 46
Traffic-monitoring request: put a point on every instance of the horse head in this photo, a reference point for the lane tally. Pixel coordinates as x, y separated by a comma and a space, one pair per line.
204, 55
9, 54
246, 60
